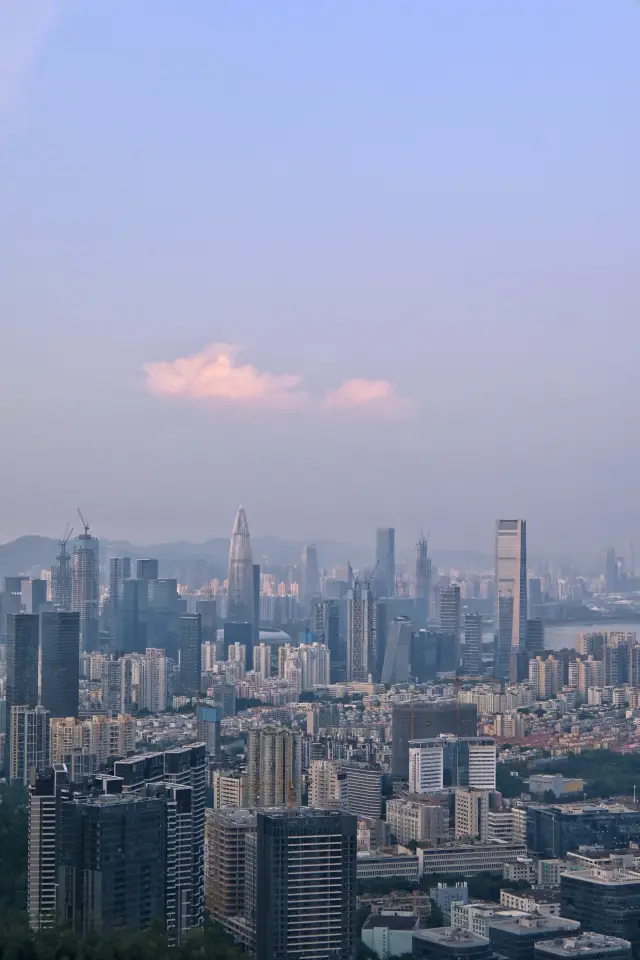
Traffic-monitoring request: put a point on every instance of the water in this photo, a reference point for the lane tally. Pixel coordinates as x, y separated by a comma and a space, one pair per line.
566, 634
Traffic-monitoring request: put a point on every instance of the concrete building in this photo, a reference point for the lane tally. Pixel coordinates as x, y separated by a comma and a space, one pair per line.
418, 719
531, 901
274, 768
595, 946
385, 866
449, 761
225, 861
362, 794
29, 742
604, 901
471, 813
361, 632
411, 820
85, 587
516, 939
42, 880
470, 859
324, 784
511, 591
446, 943
228, 790
389, 935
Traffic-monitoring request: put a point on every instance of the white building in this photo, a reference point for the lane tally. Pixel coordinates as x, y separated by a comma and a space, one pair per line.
501, 825
228, 790
315, 661
411, 820
452, 761
324, 789
469, 859
372, 866
472, 813
390, 934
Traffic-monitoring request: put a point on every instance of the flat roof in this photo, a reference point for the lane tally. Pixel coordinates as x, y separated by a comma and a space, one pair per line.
583, 944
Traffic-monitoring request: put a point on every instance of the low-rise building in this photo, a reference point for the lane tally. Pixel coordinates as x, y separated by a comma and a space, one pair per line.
389, 935
522, 868
595, 946
516, 939
378, 866
532, 901
470, 858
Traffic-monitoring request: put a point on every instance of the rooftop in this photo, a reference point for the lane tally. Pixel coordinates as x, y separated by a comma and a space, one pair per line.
390, 921
584, 944
604, 876
524, 926
460, 937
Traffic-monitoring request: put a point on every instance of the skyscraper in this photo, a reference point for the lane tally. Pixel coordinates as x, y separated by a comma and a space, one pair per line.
61, 576
361, 632
190, 654
119, 570
22, 660
534, 643
42, 873
310, 586
85, 587
133, 616
255, 636
395, 668
147, 569
240, 599
29, 750
274, 767
59, 662
34, 595
511, 591
385, 577
306, 878
611, 571
419, 718
325, 623
472, 650
423, 573
450, 616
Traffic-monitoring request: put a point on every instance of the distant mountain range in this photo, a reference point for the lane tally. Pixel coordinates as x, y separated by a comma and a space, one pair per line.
28, 555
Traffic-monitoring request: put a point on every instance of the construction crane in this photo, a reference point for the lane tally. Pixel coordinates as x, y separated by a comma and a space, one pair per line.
84, 523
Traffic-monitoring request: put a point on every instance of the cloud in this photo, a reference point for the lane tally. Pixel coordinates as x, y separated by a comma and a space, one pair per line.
369, 396
215, 375
24, 27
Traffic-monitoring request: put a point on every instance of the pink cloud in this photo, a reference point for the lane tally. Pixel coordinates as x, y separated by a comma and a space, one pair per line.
214, 374
376, 396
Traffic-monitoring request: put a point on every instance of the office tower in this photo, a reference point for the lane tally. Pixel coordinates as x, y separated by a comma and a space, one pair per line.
165, 607
471, 813
325, 623
315, 663
534, 642
397, 657
423, 573
418, 719
22, 660
447, 943
362, 792
472, 650
306, 877
552, 830
208, 619
61, 593
112, 862
33, 595
133, 607
596, 946
29, 743
450, 761
546, 676
208, 717
190, 653
180, 767
225, 835
42, 879
240, 591
450, 616
385, 575
535, 598
85, 587
236, 632
274, 767
58, 666
511, 591
119, 571
611, 574
310, 586
255, 639
147, 569
361, 632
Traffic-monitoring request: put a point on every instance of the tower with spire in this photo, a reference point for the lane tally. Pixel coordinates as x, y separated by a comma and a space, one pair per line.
240, 598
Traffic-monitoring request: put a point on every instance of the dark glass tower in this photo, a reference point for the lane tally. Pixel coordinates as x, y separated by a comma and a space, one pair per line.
58, 673
190, 653
306, 875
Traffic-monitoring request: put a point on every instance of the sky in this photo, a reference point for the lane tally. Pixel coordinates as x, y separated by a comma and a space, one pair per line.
349, 263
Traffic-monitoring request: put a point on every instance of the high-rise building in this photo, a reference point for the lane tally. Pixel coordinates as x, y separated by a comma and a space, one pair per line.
58, 667
42, 867
255, 636
325, 623
324, 788
147, 569
411, 820
397, 655
385, 576
471, 813
85, 587
29, 744
61, 591
472, 650
315, 663
274, 767
119, 571
306, 875
611, 574
208, 619
34, 595
534, 642
21, 687
423, 573
153, 686
310, 586
133, 616
450, 615
208, 718
546, 676
450, 761
225, 834
511, 591
362, 792
190, 653
100, 736
361, 632
113, 851
240, 590
228, 789
417, 719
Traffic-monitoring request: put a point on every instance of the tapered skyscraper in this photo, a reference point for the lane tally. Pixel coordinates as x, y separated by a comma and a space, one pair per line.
511, 591
240, 606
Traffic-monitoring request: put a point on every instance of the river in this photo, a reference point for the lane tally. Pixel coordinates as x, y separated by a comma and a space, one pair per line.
559, 635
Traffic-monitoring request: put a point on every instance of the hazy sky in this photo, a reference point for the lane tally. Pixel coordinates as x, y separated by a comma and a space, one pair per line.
348, 262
